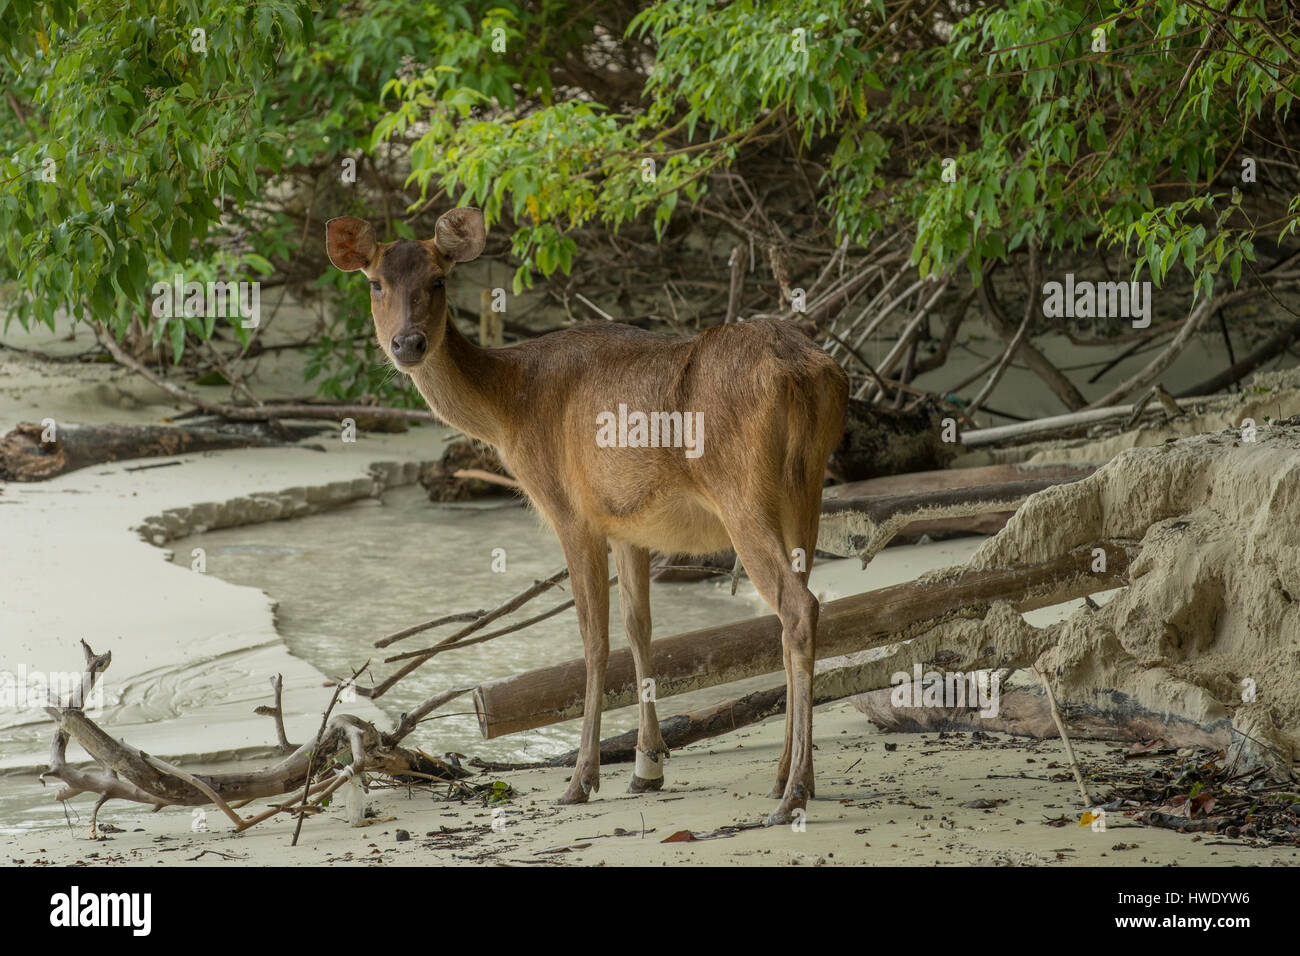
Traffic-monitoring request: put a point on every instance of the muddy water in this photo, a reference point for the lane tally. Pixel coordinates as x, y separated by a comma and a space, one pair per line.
346, 577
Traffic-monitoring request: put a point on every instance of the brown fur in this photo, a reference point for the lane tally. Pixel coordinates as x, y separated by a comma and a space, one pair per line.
773, 407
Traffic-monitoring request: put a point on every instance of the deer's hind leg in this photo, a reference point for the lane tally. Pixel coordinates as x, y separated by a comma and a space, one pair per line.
765, 544
799, 533
633, 566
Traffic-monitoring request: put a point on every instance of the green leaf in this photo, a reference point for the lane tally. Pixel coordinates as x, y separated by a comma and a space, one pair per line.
259, 263
177, 333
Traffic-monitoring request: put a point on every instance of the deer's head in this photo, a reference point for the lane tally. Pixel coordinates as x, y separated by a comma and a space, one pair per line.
408, 294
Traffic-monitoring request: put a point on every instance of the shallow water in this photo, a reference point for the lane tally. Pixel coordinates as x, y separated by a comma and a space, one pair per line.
344, 578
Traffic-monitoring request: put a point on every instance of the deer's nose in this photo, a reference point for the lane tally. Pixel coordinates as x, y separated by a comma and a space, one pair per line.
409, 348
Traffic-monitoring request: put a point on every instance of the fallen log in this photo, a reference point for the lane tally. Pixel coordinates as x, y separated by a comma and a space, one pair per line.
1054, 426
25, 455
730, 652
964, 647
862, 526
950, 478
1024, 711
986, 523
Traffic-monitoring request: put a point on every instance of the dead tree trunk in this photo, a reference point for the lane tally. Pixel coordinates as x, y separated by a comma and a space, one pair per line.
25, 455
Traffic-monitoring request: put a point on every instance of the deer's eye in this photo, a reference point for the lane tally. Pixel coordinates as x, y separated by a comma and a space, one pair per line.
376, 285
436, 282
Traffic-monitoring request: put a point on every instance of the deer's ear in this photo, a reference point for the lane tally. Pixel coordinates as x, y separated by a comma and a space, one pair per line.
460, 234
350, 242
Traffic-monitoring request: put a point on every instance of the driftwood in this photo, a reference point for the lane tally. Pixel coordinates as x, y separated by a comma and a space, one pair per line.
864, 525
25, 456
1054, 426
126, 773
1024, 711
730, 652
998, 642
987, 523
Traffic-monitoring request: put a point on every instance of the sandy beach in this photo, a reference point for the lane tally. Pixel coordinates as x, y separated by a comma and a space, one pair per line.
193, 655
929, 802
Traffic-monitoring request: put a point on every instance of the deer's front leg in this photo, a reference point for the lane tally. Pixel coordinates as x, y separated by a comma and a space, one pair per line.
633, 566
589, 574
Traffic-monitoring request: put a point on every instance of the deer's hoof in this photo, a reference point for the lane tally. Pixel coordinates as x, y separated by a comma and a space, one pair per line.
648, 774
579, 790
642, 785
572, 796
793, 805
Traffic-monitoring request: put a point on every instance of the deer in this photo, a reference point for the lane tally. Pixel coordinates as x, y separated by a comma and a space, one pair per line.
772, 405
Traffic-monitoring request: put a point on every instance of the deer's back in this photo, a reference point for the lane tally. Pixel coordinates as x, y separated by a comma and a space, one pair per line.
751, 399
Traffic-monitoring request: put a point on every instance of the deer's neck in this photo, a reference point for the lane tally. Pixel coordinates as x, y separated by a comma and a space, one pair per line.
467, 386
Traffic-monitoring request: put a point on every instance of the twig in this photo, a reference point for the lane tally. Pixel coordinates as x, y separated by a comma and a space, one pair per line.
198, 784
595, 308
224, 856
904, 339
857, 355
515, 602
311, 757
436, 622
1065, 738
277, 687
409, 721
448, 646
